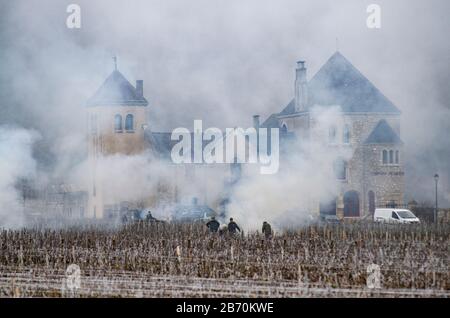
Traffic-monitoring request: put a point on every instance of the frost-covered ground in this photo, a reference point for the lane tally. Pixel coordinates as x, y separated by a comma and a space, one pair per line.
169, 260
31, 283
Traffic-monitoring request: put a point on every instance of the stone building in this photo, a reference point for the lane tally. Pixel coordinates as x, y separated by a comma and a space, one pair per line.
117, 117
117, 122
368, 129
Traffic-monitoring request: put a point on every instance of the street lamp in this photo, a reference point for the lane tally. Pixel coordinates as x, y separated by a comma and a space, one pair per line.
436, 179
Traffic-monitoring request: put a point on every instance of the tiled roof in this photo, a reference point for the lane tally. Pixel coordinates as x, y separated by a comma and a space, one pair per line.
383, 134
271, 122
116, 91
338, 82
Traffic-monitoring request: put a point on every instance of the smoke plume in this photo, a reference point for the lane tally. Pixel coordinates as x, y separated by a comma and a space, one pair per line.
16, 163
222, 62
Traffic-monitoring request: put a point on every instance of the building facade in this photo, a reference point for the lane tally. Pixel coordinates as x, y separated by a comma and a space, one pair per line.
116, 120
369, 173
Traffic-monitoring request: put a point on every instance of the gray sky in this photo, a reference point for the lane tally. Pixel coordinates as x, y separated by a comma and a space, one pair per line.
223, 61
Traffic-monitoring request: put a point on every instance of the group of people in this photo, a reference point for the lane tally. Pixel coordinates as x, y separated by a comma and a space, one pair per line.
213, 225
232, 227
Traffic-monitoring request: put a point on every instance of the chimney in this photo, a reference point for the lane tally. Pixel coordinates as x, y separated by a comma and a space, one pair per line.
301, 87
140, 88
256, 121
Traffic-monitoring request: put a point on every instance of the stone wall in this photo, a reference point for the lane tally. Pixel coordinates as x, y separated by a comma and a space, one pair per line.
365, 171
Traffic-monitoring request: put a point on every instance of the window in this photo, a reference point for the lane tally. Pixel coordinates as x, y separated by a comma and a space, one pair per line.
385, 157
340, 169
394, 215
129, 125
284, 129
118, 123
391, 157
332, 134
406, 214
346, 135
351, 204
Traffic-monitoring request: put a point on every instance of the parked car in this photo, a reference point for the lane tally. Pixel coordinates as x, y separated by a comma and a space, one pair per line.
136, 215
403, 216
330, 219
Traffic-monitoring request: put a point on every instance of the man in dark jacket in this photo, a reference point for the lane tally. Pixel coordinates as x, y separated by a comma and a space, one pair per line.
149, 217
267, 230
233, 227
213, 225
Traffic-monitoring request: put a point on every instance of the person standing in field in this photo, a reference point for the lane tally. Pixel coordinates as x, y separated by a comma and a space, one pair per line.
213, 225
233, 227
149, 217
267, 230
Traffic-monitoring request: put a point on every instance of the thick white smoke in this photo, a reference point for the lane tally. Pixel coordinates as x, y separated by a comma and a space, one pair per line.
221, 62
151, 182
305, 178
16, 162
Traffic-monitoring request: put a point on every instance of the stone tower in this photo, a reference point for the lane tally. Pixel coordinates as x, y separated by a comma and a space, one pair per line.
117, 118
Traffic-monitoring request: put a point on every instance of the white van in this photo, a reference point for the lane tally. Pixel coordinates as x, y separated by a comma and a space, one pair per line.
395, 216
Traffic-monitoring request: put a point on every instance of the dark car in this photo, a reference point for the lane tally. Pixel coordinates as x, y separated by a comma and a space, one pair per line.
330, 219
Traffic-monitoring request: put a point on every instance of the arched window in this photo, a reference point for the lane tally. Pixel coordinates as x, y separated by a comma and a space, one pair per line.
340, 169
391, 156
284, 129
118, 122
385, 157
332, 135
346, 135
129, 124
397, 160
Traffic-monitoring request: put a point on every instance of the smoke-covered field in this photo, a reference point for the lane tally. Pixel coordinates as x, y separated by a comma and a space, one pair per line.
181, 260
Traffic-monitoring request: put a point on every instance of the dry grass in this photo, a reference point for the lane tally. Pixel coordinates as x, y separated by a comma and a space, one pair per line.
150, 259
